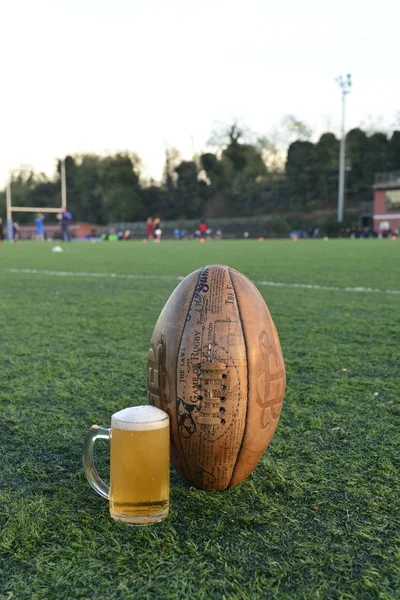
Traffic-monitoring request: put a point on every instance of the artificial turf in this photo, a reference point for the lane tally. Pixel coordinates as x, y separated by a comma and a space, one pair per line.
319, 516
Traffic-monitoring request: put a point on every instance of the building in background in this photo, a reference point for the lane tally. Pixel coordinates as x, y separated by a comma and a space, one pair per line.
387, 202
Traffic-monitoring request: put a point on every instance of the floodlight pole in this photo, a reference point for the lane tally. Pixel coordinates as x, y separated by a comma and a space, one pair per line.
345, 85
9, 212
63, 185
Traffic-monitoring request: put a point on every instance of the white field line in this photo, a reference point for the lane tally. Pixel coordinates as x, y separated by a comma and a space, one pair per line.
83, 274
305, 286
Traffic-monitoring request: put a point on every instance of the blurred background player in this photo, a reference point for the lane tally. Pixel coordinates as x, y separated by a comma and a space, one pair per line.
150, 229
156, 225
16, 232
202, 229
1, 231
39, 227
158, 234
157, 231
65, 218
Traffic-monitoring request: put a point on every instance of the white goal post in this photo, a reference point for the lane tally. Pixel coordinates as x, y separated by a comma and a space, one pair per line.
12, 209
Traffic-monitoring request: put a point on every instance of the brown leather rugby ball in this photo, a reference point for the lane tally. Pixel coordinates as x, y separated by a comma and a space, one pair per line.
215, 365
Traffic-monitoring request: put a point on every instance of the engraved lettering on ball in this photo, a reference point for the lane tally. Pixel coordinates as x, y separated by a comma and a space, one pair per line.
157, 377
201, 476
270, 382
186, 423
152, 369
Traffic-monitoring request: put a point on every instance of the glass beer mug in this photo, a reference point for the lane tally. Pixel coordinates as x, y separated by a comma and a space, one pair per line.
139, 464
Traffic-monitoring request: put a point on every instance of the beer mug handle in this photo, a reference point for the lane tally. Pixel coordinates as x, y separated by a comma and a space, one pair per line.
94, 433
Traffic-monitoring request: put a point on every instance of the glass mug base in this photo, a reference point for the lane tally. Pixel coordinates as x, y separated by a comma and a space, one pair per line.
138, 493
140, 514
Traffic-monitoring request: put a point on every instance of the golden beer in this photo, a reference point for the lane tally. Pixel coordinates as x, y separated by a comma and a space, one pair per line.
139, 464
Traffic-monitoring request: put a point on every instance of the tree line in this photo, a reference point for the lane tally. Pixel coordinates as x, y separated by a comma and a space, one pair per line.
243, 175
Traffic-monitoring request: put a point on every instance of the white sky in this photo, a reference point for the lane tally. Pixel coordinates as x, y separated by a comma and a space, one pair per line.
108, 75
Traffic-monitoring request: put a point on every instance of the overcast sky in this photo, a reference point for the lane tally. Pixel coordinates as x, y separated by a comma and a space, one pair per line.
107, 75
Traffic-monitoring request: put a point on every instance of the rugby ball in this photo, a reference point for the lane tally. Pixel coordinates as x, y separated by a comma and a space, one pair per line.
215, 365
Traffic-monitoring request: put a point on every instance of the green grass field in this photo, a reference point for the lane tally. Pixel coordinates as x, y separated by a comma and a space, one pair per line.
318, 518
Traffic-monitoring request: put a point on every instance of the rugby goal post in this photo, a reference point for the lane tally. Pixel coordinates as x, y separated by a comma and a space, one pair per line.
12, 209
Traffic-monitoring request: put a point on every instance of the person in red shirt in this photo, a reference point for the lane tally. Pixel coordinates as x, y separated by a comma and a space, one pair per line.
202, 229
150, 229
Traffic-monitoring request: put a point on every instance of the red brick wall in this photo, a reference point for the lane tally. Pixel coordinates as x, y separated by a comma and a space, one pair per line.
84, 229
380, 213
79, 230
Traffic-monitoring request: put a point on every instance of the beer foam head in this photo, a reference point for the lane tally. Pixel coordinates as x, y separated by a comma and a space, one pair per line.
140, 418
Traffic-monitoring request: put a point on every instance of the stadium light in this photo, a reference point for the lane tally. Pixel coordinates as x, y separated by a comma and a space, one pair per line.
345, 85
